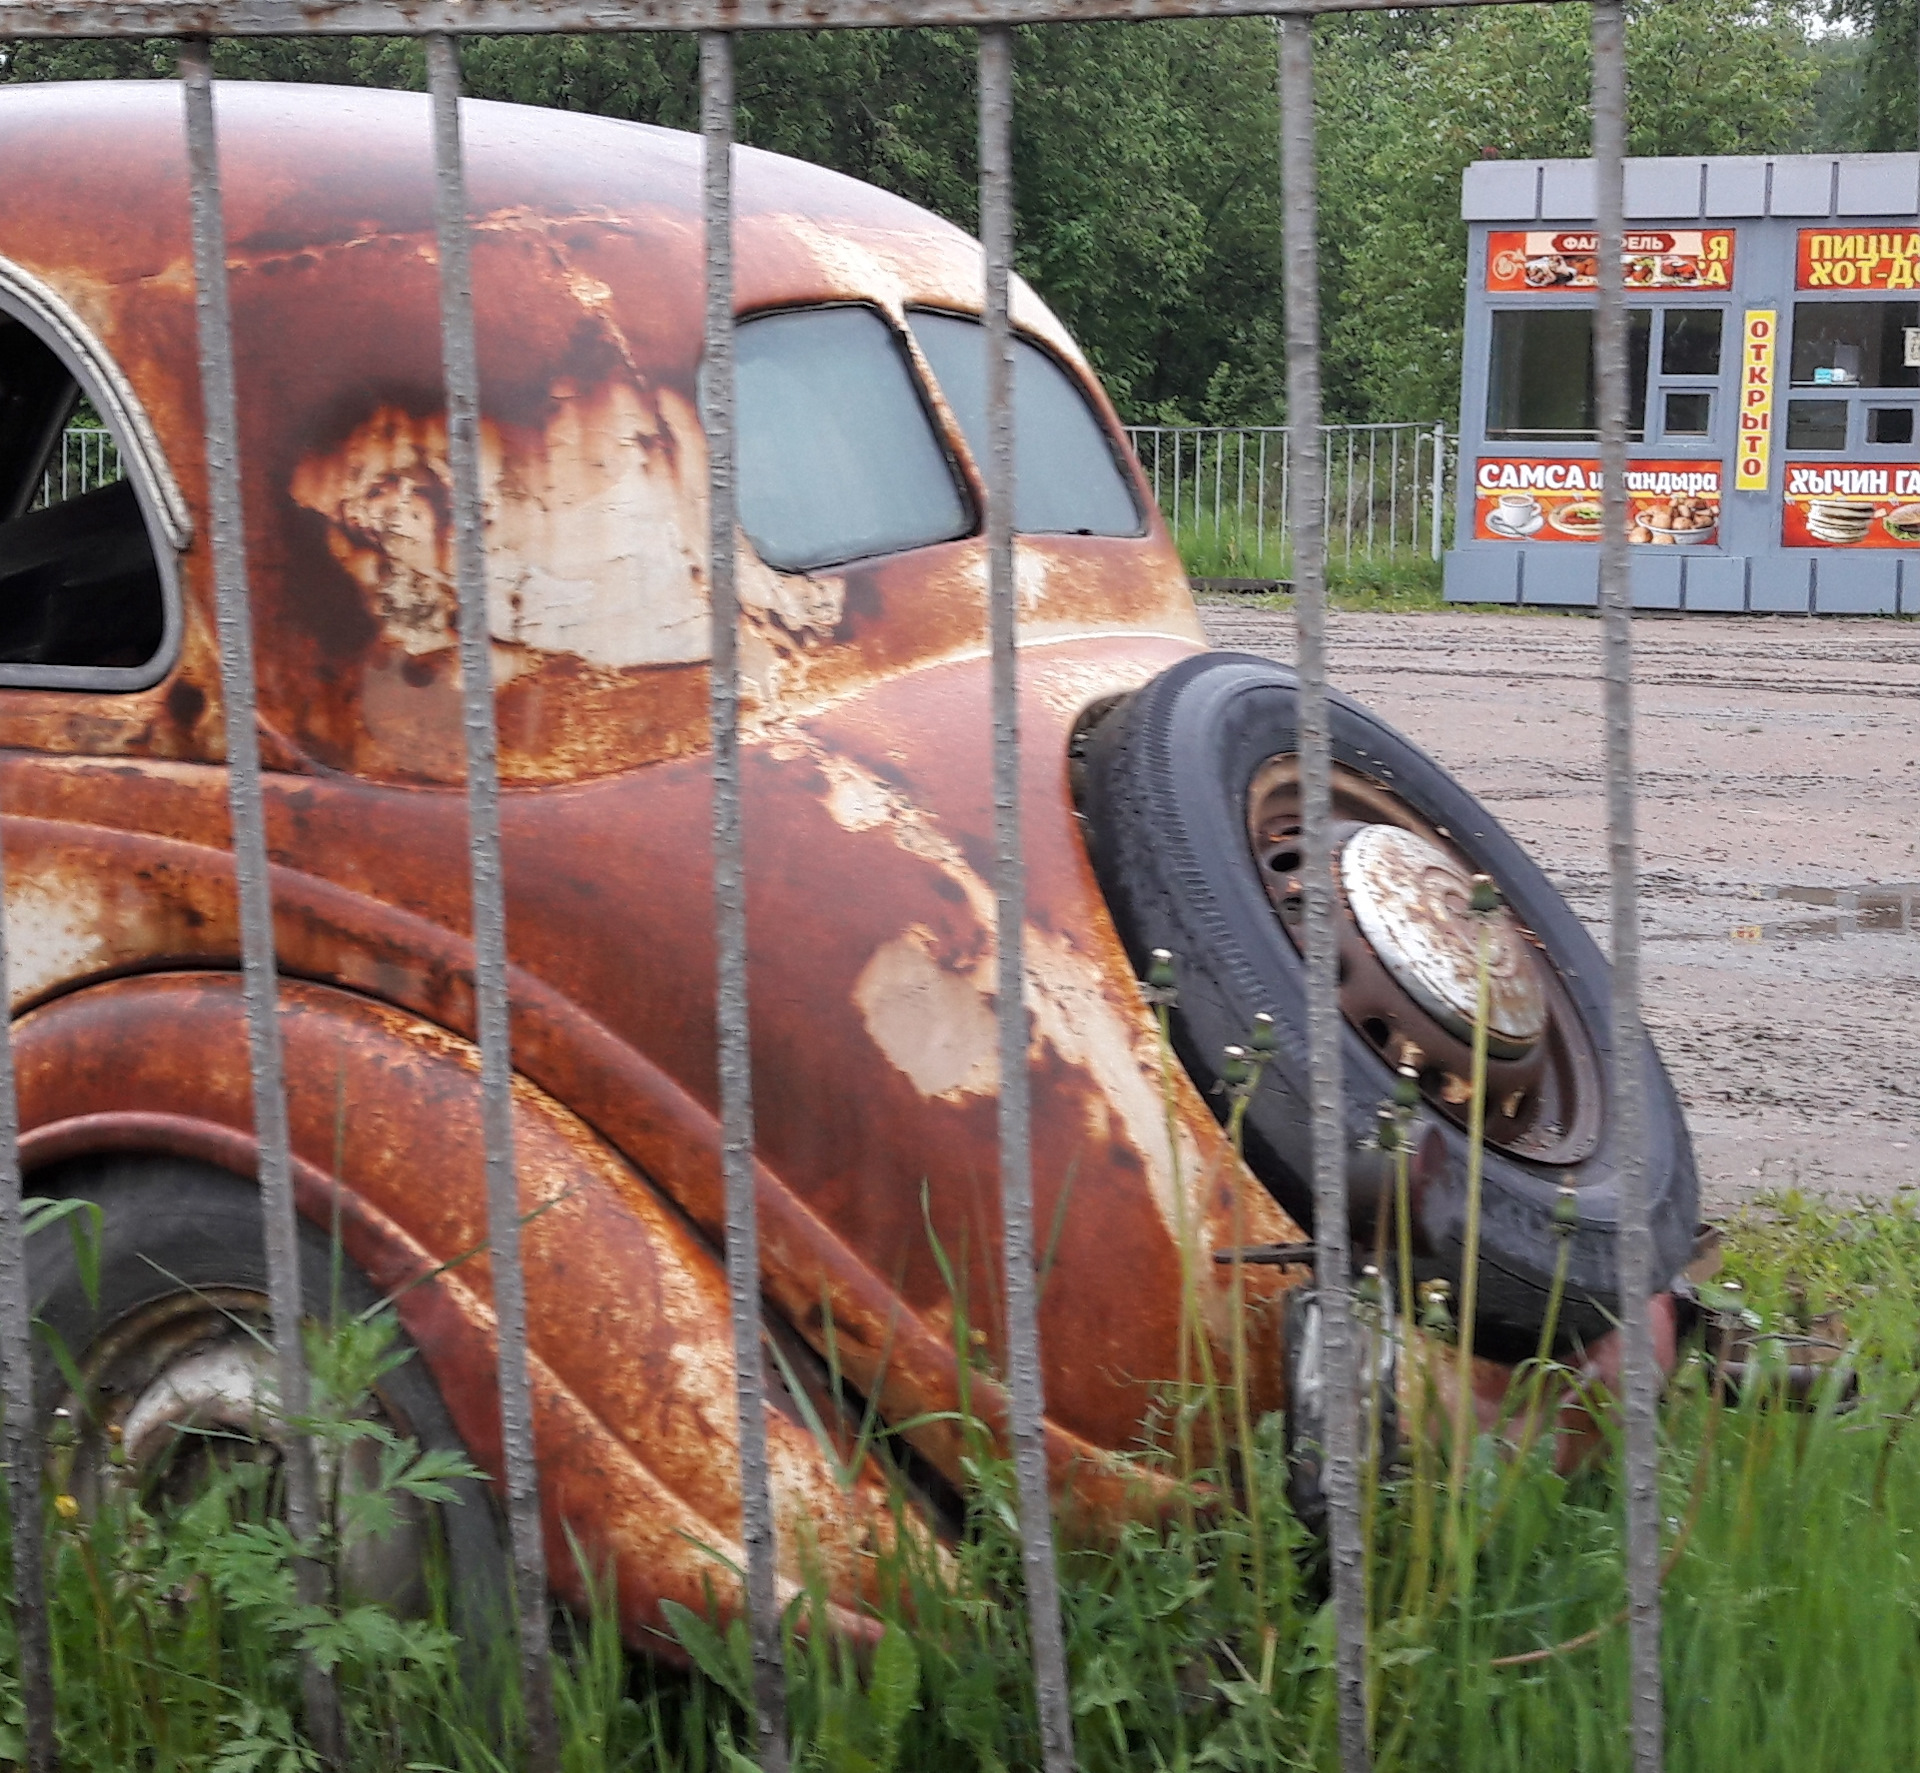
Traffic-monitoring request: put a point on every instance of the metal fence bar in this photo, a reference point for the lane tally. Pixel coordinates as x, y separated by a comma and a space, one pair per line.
33, 1647
1260, 506
1025, 1384
1373, 459
733, 1016
1439, 481
1640, 1371
41, 19
1300, 236
1219, 478
1349, 501
1380, 501
1393, 495
491, 1010
716, 72
234, 620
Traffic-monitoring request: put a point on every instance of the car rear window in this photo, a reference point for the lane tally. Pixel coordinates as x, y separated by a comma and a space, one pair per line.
81, 597
1066, 479
838, 455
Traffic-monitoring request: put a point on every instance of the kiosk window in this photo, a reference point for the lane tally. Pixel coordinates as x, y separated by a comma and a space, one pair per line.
1688, 415
1816, 424
1542, 387
1690, 345
1853, 345
1889, 424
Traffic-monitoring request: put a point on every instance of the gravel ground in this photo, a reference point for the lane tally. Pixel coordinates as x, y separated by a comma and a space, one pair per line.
1775, 754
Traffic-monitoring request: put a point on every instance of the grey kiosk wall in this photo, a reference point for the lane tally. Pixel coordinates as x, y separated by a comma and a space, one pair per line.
1773, 442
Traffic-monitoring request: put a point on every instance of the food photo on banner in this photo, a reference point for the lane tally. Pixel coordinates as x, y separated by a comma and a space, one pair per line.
1687, 258
1851, 505
1544, 499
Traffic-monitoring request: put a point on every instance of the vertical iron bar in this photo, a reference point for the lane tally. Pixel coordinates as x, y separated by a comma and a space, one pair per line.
1348, 524
1024, 1377
1286, 496
1393, 493
460, 359
1373, 457
730, 916
1640, 1372
1260, 505
1219, 477
1300, 238
1326, 478
1440, 476
33, 1643
234, 621
1176, 486
1240, 493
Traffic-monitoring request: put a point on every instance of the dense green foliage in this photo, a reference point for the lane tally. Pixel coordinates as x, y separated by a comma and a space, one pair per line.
1145, 155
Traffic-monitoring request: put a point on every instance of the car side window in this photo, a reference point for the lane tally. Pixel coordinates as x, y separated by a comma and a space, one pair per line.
82, 600
839, 459
1067, 480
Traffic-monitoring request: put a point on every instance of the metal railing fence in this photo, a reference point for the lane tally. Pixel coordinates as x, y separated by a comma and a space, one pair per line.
1226, 491
88, 460
1310, 515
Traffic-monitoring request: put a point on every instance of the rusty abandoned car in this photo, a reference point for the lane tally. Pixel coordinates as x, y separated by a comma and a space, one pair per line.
1160, 804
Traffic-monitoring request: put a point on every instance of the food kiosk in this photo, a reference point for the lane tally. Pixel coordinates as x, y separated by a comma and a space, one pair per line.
1774, 358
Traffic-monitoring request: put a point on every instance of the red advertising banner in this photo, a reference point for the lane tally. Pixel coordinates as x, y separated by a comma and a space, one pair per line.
1837, 258
1851, 505
1684, 258
1544, 499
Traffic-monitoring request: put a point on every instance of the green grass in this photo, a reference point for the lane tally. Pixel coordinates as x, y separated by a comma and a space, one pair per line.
1792, 1635
1407, 579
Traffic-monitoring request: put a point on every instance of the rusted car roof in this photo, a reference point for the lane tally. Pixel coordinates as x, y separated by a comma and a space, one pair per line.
588, 277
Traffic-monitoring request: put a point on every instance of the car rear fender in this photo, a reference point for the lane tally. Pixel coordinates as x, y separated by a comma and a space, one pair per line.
628, 1321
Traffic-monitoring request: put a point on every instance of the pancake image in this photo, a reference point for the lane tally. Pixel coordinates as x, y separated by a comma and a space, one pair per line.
1840, 520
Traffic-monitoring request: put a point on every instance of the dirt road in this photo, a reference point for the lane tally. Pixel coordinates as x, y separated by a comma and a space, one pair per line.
1776, 754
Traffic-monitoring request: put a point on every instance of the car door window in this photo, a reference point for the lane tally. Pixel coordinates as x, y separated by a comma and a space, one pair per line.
1067, 479
82, 600
839, 458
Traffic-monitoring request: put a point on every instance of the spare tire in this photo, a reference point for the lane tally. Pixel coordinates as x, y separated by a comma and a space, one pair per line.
1190, 793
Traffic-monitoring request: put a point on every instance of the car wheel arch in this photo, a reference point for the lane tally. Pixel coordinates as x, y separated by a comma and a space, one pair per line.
627, 1426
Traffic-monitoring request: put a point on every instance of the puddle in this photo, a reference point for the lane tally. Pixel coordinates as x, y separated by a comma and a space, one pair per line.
1849, 911
1856, 911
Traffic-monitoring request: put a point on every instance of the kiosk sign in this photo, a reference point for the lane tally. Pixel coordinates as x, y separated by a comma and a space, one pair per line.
1830, 258
1686, 258
1545, 499
1755, 443
1851, 505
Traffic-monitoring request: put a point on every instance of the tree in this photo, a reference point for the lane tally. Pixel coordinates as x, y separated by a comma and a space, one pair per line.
1145, 156
1411, 101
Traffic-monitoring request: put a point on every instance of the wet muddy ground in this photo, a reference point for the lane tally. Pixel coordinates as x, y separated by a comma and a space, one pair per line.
1777, 756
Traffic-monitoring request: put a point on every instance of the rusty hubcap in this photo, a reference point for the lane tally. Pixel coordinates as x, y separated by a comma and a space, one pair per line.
1411, 901
1409, 965
186, 1384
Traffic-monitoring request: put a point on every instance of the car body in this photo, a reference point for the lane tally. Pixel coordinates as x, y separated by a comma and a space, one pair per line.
867, 811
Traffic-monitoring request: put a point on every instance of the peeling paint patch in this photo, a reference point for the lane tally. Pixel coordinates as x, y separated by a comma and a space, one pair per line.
932, 1024
595, 539
53, 934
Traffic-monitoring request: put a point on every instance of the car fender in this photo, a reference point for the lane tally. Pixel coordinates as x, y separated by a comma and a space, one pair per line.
629, 1332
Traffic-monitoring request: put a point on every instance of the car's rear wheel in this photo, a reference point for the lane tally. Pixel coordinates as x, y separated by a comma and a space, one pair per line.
1191, 791
177, 1373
